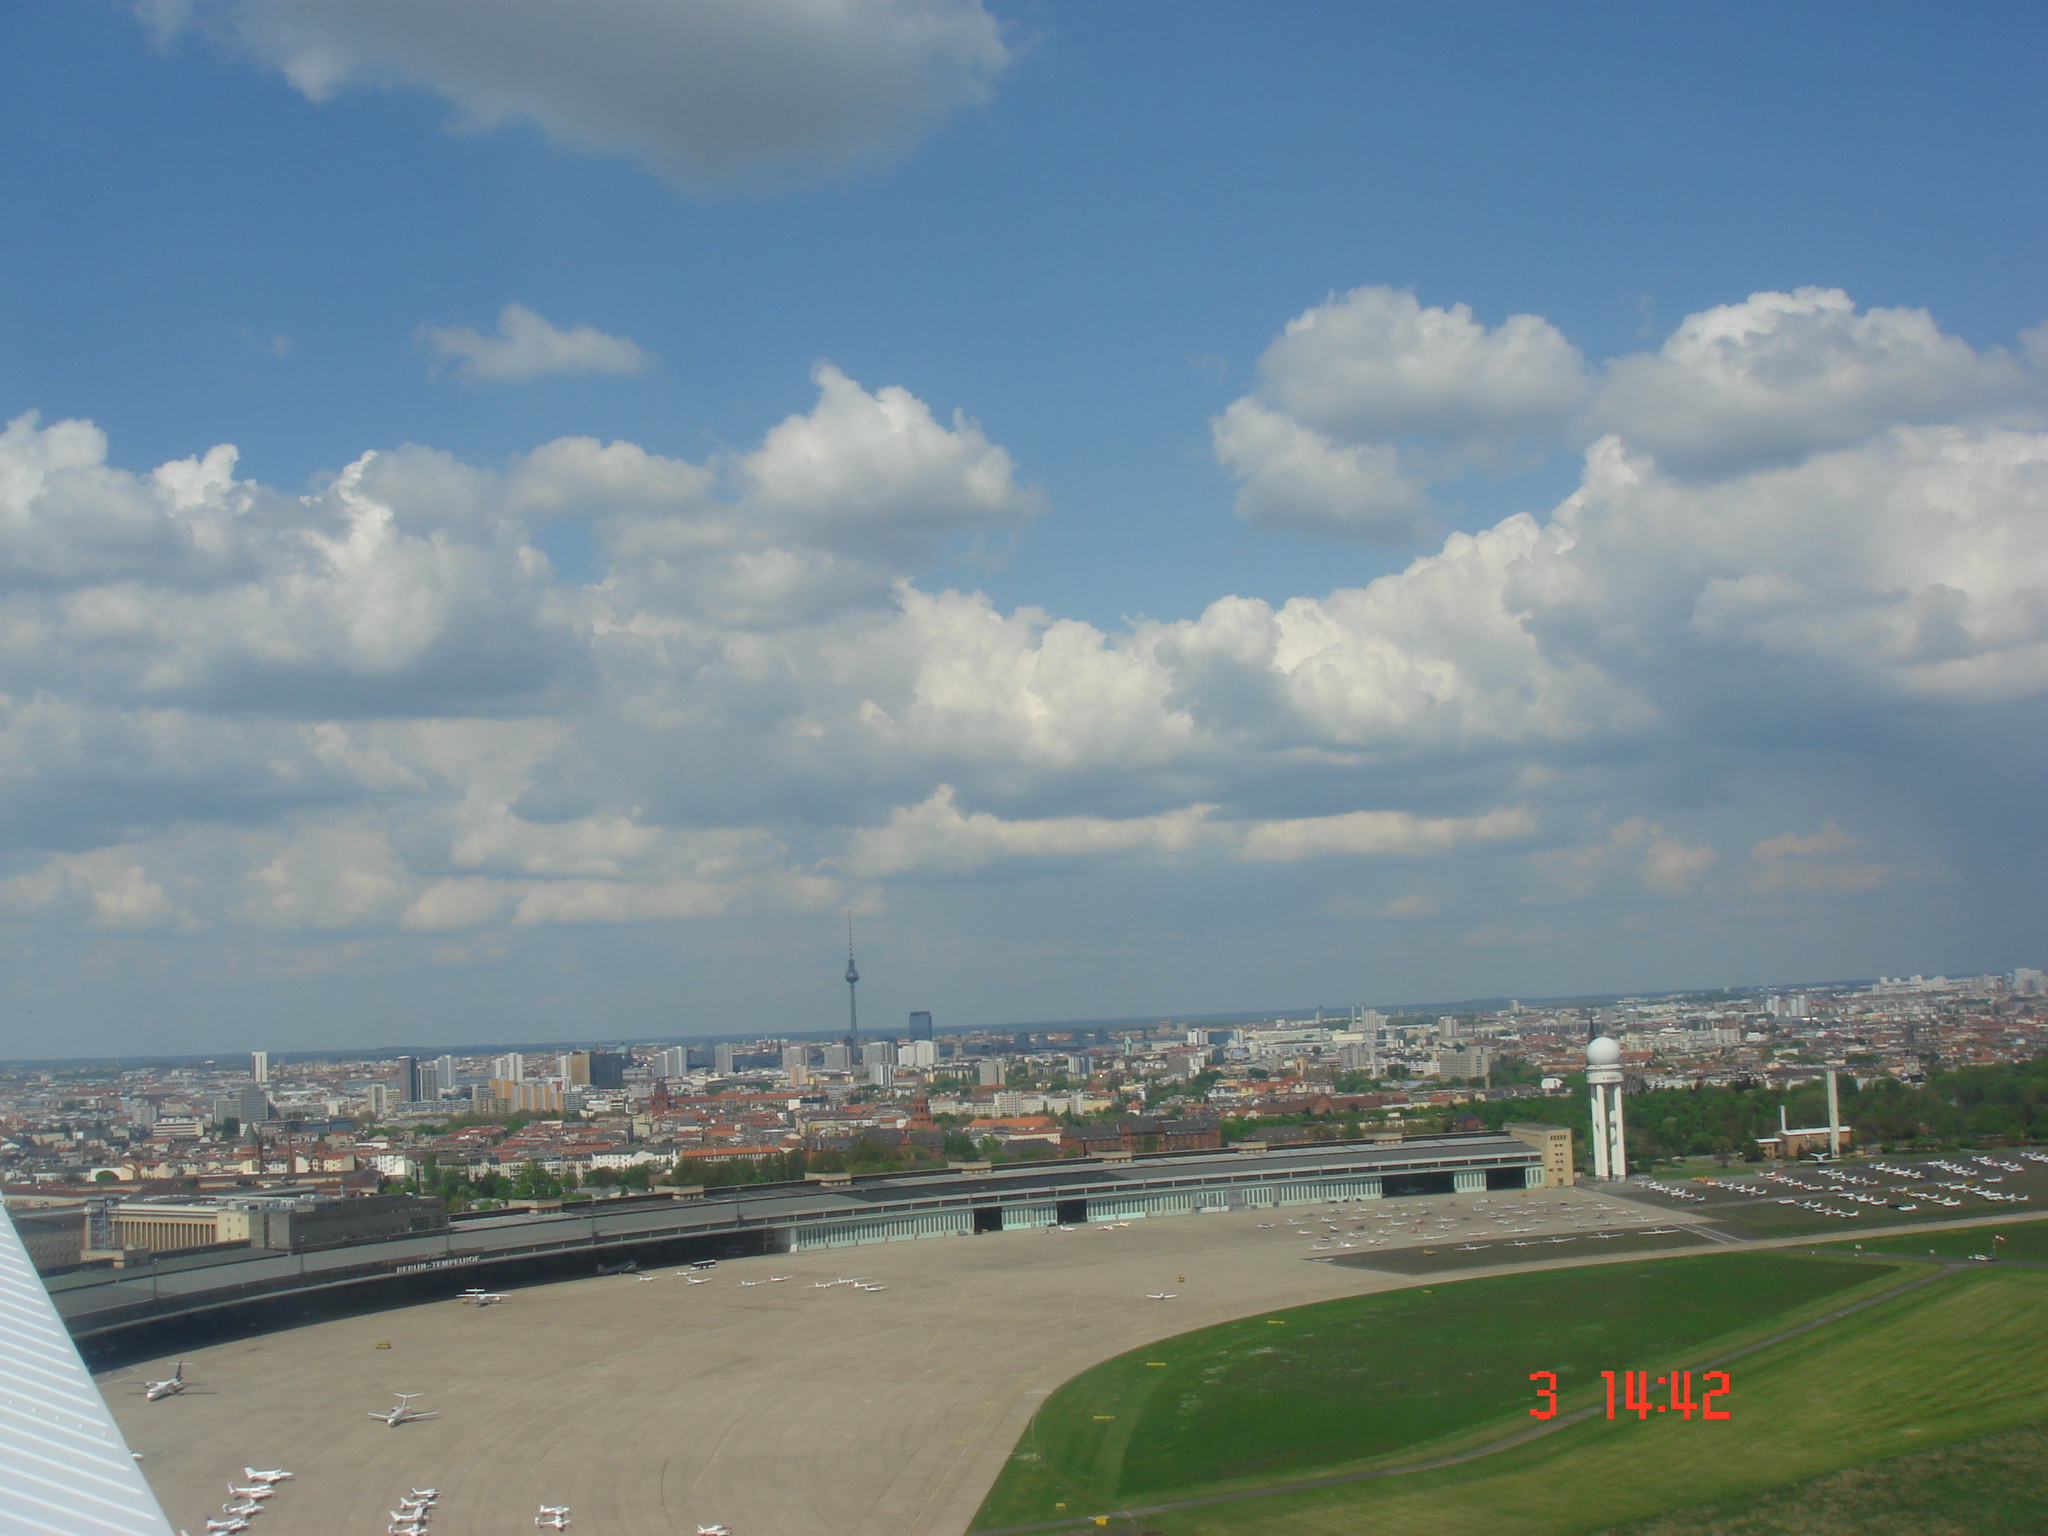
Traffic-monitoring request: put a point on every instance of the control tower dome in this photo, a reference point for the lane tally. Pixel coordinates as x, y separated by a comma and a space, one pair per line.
1603, 1052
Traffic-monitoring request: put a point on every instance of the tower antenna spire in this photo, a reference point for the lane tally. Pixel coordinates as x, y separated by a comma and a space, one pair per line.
852, 1006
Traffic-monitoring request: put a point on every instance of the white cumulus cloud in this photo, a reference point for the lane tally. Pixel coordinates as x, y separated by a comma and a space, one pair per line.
713, 94
527, 346
1781, 376
1366, 398
373, 711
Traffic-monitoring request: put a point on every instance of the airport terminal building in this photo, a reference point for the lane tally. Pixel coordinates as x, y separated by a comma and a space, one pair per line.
825, 1211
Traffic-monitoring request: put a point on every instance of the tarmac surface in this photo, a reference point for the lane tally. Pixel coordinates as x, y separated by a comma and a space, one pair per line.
777, 1408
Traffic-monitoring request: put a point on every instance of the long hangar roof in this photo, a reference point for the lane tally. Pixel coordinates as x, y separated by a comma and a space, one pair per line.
98, 1301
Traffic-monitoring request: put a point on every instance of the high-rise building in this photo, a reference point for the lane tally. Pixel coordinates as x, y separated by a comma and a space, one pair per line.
673, 1062
878, 1053
260, 1062
721, 1058
380, 1098
991, 1072
510, 1068
882, 1074
534, 1096
446, 1074
607, 1069
921, 1025
575, 1071
919, 1053
406, 1080
426, 1081
836, 1058
252, 1107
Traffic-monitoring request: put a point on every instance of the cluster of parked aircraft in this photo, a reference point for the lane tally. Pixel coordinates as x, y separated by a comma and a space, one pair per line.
1670, 1192
410, 1518
246, 1500
553, 1517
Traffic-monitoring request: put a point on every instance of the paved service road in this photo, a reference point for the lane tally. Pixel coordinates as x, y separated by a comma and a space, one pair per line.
777, 1409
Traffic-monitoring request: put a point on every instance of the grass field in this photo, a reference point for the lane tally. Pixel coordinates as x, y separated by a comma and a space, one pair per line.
1988, 1485
1349, 1383
1955, 1359
2022, 1240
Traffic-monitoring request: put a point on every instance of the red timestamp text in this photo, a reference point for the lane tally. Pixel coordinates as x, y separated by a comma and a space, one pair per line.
1638, 1389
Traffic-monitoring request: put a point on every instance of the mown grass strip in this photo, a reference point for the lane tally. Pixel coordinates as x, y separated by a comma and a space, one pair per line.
1367, 1380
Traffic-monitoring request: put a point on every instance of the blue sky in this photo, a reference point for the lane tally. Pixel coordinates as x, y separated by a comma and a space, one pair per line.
482, 739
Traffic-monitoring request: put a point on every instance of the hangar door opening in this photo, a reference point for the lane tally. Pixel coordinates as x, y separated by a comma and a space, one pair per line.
1394, 1185
1071, 1213
988, 1218
1507, 1178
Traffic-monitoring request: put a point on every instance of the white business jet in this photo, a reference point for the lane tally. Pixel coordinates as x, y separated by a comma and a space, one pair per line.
404, 1412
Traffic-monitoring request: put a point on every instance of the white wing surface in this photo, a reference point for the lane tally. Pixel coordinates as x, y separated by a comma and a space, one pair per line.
64, 1468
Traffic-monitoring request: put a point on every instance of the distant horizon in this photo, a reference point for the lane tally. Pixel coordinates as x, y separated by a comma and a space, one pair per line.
1333, 1013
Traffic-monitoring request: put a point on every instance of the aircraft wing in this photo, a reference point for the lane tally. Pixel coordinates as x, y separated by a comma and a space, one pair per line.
64, 1468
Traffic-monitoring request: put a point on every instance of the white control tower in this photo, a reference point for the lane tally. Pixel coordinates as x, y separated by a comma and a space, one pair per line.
1603, 1077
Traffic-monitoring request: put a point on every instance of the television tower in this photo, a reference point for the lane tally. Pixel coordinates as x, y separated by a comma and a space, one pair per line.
852, 1006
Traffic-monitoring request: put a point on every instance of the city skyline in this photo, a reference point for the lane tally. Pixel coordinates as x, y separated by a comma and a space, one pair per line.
1344, 502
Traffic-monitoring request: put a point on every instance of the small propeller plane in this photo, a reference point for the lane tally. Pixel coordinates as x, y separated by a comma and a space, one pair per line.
478, 1297
557, 1521
713, 1530
404, 1412
170, 1386
253, 1491
274, 1475
1162, 1295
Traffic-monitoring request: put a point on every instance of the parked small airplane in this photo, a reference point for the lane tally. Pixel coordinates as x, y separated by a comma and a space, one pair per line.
552, 1522
554, 1509
429, 1494
627, 1268
713, 1530
750, 1282
1161, 1295
243, 1510
226, 1527
170, 1386
477, 1296
253, 1491
695, 1279
274, 1475
404, 1412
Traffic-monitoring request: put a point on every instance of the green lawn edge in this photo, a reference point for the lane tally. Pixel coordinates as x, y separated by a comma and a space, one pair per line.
1948, 1362
1033, 1481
